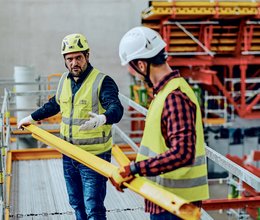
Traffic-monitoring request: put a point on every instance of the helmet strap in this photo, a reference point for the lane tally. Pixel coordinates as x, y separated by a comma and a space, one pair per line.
147, 76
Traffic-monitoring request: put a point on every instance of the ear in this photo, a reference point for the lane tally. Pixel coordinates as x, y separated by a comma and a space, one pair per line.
141, 65
87, 57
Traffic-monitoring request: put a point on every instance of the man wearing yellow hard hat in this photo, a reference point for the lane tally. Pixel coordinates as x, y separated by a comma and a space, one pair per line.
89, 105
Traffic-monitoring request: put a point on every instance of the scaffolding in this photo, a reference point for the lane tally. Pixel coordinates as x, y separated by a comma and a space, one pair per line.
215, 110
210, 42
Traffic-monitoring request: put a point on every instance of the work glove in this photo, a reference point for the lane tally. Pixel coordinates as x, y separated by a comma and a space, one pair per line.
25, 121
249, 159
119, 176
95, 121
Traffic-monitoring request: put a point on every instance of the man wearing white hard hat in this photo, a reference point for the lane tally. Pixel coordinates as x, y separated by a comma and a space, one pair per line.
172, 151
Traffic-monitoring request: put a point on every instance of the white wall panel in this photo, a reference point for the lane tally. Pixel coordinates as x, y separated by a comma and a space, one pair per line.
31, 33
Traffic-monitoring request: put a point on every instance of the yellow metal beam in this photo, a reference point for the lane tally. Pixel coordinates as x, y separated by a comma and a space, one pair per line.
35, 154
119, 155
8, 184
140, 185
214, 121
180, 8
24, 132
186, 210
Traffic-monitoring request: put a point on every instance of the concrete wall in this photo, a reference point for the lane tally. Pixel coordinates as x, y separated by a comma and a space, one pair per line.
32, 31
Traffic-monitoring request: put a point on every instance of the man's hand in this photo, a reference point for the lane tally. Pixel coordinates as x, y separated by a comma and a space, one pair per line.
25, 121
121, 175
95, 121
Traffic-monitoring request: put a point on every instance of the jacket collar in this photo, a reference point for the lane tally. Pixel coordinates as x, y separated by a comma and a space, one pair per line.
159, 86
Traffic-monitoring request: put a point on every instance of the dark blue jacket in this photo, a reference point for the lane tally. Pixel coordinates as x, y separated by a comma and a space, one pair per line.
108, 98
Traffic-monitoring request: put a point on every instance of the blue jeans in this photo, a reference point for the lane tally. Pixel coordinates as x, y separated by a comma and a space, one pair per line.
164, 216
86, 189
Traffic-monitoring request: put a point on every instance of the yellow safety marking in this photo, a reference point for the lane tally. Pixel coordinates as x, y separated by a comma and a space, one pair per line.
201, 3
7, 114
1, 178
8, 184
3, 151
140, 185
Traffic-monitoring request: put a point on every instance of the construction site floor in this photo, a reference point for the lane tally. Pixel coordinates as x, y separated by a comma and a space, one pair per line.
38, 192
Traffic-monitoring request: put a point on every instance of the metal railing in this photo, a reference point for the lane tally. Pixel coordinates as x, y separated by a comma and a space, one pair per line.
233, 169
230, 166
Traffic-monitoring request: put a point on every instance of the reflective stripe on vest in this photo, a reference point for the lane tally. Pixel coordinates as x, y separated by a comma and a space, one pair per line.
188, 182
199, 160
90, 141
75, 113
60, 85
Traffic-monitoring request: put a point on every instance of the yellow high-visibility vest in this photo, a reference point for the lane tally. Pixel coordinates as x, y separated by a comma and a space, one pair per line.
188, 182
74, 111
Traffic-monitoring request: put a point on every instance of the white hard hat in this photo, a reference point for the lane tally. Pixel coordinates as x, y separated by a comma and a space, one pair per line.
140, 43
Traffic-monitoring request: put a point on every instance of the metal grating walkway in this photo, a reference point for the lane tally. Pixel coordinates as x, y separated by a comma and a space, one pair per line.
38, 192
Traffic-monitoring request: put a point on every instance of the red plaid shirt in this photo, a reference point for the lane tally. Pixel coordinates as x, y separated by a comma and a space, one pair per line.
178, 130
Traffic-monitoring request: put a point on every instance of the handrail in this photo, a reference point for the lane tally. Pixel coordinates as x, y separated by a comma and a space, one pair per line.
227, 164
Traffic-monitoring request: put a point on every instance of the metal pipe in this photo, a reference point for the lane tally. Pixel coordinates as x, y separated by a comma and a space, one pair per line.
133, 104
191, 22
4, 105
250, 52
195, 39
33, 93
233, 168
125, 138
187, 53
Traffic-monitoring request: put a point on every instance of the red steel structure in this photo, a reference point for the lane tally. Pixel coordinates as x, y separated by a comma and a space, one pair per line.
216, 44
250, 198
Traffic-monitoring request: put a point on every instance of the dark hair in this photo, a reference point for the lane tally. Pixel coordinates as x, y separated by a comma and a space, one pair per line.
85, 52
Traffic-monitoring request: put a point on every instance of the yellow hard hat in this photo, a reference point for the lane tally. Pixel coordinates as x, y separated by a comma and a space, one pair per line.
74, 43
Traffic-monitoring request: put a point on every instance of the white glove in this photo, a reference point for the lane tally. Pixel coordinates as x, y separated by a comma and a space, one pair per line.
95, 121
249, 158
25, 121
